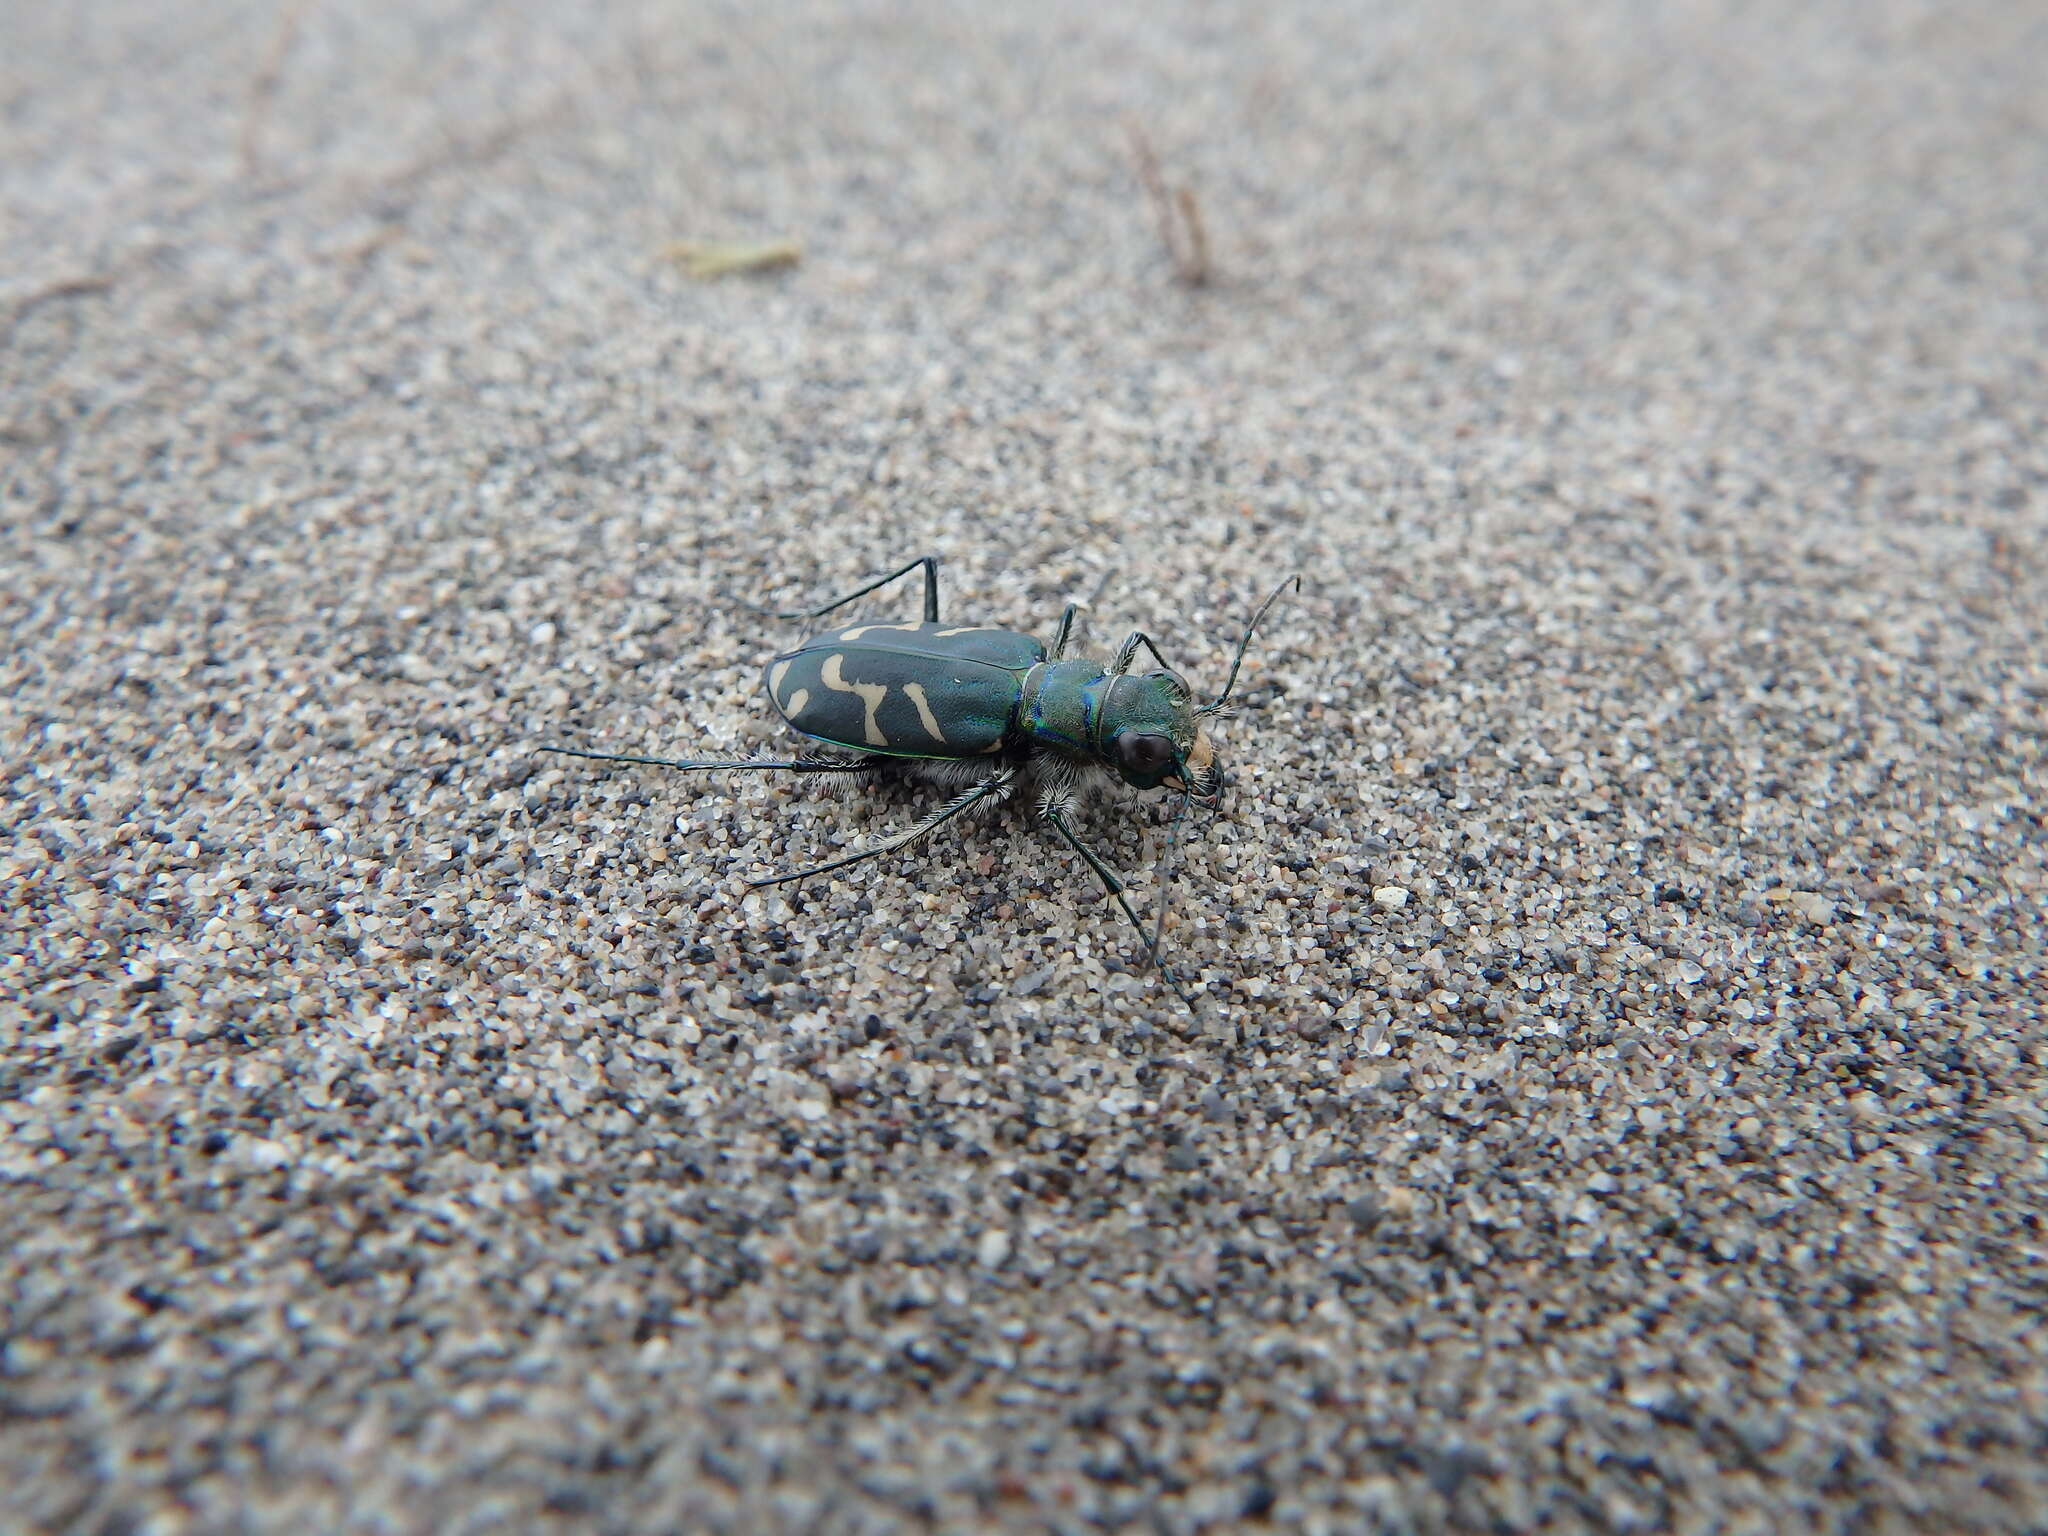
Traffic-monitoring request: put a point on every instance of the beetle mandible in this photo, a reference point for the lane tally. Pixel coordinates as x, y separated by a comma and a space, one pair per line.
984, 711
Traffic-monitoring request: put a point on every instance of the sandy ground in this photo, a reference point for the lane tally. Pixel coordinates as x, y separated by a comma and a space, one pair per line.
1617, 1098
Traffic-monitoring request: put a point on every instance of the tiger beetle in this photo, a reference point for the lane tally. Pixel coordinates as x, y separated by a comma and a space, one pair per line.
982, 710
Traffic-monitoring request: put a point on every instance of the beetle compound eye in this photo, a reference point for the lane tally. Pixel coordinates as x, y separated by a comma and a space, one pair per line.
1143, 751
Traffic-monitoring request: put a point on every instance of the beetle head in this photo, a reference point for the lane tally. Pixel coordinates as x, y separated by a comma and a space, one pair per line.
1153, 736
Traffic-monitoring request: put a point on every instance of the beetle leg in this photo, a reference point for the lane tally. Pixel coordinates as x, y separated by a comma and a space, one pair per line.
1112, 882
1056, 817
996, 784
1128, 653
931, 591
797, 765
1059, 641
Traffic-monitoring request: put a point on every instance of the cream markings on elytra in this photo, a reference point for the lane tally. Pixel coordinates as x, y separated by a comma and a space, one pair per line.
871, 696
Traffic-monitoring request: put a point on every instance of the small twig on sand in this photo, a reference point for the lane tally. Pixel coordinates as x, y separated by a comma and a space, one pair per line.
263, 85
709, 259
393, 195
1181, 229
1195, 271
85, 285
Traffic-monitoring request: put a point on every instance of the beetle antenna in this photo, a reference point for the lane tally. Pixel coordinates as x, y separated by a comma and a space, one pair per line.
1222, 699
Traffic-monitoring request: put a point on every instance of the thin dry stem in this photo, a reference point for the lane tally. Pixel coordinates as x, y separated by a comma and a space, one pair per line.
706, 260
264, 83
1177, 211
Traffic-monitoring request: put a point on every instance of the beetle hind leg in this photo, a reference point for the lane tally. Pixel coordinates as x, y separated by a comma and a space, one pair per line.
865, 764
930, 564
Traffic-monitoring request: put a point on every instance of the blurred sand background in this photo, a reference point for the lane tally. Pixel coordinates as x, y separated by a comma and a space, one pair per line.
1620, 1105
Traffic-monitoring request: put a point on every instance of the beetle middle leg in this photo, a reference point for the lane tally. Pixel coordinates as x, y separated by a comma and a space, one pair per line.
1066, 632
996, 784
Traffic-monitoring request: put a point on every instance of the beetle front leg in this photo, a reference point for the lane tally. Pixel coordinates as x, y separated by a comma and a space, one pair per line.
1058, 794
1112, 882
1055, 813
1128, 653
